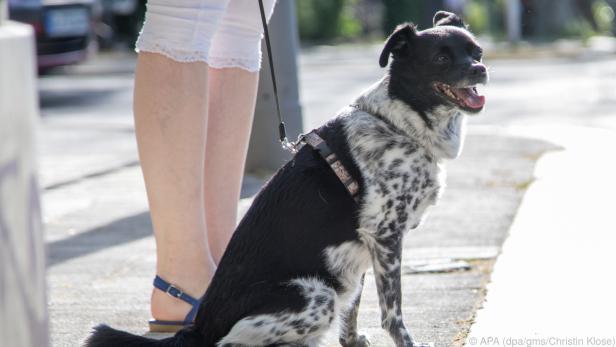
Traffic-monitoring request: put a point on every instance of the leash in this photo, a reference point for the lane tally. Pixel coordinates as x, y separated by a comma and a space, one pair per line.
312, 138
284, 142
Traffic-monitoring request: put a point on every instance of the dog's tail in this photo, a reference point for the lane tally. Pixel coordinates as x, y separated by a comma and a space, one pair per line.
105, 336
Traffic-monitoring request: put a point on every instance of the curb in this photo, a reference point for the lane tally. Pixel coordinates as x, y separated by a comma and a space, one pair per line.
551, 285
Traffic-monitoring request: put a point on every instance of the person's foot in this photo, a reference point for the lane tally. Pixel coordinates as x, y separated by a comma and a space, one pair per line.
164, 307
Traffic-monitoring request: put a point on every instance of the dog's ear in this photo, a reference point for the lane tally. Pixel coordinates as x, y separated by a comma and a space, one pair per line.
448, 18
398, 43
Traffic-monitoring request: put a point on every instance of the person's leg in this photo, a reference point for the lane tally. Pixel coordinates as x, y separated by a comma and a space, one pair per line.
232, 101
234, 59
170, 106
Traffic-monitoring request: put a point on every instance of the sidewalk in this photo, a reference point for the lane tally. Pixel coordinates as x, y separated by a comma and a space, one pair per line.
101, 251
554, 283
99, 238
595, 47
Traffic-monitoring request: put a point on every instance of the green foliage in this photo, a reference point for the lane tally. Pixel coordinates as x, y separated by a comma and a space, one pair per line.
604, 15
495, 17
581, 28
350, 26
326, 20
578, 28
476, 16
399, 11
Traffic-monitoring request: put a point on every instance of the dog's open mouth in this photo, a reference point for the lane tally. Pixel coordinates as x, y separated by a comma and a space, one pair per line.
466, 98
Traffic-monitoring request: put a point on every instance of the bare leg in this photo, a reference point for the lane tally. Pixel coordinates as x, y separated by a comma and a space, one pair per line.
170, 106
232, 95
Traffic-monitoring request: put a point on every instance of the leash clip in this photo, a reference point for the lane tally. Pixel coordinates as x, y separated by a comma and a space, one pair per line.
292, 147
288, 145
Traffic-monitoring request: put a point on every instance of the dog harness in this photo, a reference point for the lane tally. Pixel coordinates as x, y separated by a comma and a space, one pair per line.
317, 143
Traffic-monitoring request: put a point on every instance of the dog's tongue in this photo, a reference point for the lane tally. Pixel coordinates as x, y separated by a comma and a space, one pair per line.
470, 97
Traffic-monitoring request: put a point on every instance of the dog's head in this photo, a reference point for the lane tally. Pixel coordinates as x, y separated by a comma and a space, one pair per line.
440, 66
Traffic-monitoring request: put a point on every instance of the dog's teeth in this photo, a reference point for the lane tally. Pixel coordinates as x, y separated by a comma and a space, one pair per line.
445, 89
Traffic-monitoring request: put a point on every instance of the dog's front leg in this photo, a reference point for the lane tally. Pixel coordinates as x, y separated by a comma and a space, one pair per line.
386, 257
348, 334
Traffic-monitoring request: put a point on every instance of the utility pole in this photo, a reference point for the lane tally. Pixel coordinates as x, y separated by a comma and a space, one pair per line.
265, 152
3, 10
513, 19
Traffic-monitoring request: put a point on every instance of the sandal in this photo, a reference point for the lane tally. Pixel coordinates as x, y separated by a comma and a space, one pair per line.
164, 326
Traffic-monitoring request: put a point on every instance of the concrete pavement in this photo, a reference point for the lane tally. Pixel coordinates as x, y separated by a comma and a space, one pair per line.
101, 252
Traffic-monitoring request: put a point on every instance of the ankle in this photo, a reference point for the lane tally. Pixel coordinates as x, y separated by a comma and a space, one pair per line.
164, 306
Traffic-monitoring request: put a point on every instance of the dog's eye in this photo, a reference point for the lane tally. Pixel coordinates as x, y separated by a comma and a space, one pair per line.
441, 59
477, 54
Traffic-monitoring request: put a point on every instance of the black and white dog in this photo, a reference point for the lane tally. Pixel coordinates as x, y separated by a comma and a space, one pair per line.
294, 266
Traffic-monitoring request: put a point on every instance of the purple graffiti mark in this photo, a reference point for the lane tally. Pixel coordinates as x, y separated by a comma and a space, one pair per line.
7, 169
35, 230
35, 276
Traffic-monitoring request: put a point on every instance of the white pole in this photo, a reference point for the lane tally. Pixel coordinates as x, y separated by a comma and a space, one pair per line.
4, 10
513, 10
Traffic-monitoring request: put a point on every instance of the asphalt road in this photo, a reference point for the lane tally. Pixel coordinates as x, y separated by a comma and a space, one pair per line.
98, 232
87, 108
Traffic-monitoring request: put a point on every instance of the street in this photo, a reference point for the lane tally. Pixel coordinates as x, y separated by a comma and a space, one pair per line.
87, 117
100, 248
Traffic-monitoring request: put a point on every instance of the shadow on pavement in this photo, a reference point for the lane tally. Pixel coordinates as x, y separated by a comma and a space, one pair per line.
118, 232
74, 97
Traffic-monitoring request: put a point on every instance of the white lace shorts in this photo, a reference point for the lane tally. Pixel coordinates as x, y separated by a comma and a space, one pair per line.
222, 33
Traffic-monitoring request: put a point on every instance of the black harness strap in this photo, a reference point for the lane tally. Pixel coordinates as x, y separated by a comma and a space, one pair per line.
317, 143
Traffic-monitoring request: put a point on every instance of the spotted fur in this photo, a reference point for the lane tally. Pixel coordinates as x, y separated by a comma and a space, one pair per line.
400, 161
294, 267
305, 326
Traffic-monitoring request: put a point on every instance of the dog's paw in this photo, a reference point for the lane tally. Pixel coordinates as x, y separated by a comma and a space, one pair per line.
360, 341
429, 344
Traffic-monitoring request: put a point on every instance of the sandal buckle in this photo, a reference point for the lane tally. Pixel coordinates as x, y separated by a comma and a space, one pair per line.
174, 291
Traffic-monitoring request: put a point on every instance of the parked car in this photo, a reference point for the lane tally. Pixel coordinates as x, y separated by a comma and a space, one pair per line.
64, 28
124, 19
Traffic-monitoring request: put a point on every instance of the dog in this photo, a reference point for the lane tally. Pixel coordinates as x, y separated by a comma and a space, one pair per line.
294, 267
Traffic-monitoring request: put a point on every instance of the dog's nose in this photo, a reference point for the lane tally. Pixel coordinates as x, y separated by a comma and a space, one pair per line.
478, 70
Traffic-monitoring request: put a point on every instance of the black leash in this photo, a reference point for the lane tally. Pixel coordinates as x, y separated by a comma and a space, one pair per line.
311, 138
290, 146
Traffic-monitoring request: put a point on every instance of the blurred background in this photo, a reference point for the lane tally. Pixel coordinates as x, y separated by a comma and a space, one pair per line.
553, 86
75, 28
85, 52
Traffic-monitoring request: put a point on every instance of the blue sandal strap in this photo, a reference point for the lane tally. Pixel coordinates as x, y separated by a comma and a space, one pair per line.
177, 293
